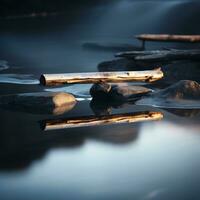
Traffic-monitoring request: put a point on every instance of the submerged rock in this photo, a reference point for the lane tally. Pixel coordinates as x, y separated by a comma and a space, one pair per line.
39, 103
185, 89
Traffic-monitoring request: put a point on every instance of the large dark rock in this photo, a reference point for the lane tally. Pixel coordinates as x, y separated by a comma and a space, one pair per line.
117, 93
125, 93
185, 89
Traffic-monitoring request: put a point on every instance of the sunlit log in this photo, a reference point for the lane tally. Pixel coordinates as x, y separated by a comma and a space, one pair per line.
100, 120
96, 77
169, 38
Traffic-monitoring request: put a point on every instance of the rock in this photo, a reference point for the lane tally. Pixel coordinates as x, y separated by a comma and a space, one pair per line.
173, 72
115, 94
182, 90
100, 90
125, 93
123, 64
108, 46
39, 103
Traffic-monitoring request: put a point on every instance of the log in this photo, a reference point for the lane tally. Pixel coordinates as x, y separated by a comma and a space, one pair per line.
161, 55
39, 103
96, 77
168, 38
47, 125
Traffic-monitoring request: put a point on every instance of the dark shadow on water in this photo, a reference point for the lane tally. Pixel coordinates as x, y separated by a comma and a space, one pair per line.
112, 47
22, 141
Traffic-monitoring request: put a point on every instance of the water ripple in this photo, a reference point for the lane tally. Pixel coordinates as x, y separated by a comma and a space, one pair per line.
3, 65
26, 79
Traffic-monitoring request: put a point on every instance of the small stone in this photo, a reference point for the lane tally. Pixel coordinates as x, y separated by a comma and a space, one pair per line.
100, 90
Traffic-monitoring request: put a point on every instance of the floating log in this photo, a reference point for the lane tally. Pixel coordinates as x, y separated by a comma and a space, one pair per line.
168, 38
161, 55
101, 120
40, 102
96, 77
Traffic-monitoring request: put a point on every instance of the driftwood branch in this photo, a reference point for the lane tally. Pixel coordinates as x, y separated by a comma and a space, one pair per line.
161, 55
101, 120
96, 77
168, 38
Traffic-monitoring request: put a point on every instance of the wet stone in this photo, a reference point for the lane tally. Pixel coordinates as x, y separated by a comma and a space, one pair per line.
182, 90
117, 93
100, 90
125, 93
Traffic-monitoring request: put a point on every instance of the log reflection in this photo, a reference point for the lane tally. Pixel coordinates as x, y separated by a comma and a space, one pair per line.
100, 120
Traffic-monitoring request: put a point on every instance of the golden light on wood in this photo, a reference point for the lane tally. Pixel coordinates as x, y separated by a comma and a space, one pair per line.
169, 38
100, 120
96, 77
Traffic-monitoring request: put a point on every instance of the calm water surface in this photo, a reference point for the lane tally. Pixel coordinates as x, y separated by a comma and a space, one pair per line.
149, 160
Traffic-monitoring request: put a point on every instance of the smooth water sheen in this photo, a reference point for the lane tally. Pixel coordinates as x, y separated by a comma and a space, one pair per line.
148, 160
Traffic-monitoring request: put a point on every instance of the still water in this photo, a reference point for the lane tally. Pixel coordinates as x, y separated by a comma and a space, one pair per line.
148, 160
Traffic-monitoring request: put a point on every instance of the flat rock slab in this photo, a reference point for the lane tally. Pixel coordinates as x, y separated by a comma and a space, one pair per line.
124, 93
39, 103
116, 93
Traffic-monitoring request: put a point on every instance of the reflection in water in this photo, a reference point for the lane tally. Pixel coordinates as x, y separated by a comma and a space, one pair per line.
100, 120
157, 159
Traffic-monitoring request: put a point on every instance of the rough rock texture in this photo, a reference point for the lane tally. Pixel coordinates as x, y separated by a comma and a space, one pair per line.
124, 93
100, 90
185, 89
117, 93
174, 71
